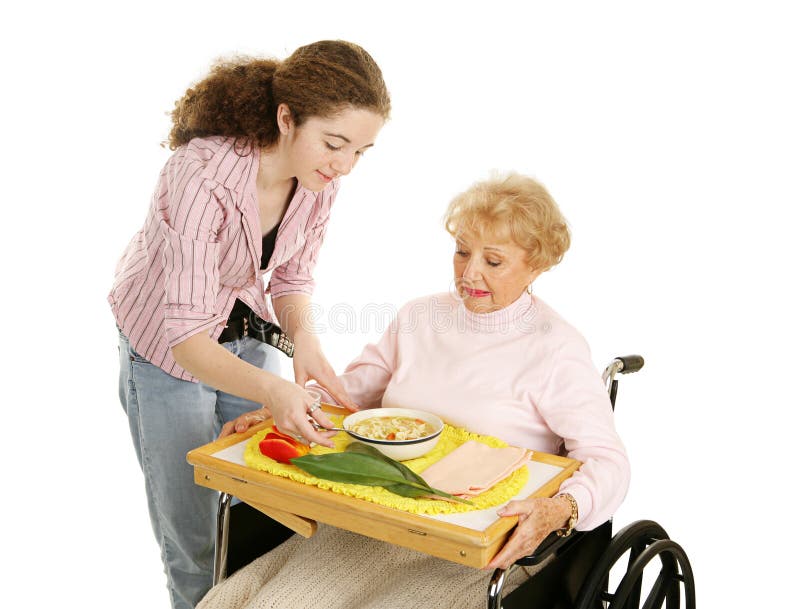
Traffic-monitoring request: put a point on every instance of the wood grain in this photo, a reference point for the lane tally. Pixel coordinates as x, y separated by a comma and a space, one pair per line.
299, 506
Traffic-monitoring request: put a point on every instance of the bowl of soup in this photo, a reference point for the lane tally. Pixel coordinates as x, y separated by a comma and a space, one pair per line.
399, 433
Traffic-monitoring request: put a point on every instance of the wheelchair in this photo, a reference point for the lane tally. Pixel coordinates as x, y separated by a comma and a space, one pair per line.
577, 570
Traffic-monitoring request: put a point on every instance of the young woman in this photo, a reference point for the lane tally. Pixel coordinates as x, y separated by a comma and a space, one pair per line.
260, 146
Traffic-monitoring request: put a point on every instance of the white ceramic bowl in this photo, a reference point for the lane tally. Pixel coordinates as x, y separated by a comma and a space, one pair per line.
399, 450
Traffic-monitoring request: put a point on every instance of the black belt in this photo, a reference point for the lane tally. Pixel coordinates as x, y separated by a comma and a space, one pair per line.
259, 329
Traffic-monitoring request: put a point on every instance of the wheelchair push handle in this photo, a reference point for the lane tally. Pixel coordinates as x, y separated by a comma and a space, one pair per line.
624, 364
631, 363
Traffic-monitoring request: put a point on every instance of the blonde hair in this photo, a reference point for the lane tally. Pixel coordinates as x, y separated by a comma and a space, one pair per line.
513, 206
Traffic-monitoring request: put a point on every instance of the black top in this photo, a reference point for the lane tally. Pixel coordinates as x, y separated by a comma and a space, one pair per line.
268, 245
241, 310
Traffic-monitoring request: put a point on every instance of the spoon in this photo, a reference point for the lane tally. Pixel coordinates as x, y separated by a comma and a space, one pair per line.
319, 427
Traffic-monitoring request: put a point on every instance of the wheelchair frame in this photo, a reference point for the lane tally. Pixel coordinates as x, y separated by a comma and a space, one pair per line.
576, 575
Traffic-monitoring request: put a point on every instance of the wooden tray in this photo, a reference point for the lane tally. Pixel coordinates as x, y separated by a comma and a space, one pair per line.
470, 538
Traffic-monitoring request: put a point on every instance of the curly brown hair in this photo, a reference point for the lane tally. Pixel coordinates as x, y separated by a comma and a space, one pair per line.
239, 97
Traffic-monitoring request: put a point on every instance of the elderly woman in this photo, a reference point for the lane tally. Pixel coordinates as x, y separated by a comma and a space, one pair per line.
492, 358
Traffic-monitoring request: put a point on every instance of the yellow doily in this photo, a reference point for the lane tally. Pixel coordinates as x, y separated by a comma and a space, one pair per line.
451, 438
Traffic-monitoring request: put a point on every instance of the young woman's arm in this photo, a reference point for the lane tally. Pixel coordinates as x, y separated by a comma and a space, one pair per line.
295, 317
212, 364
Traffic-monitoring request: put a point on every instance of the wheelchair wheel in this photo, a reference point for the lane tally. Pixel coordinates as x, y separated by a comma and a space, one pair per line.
643, 541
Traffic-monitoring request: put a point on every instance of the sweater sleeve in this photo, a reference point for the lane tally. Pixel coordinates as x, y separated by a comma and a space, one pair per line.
365, 379
576, 407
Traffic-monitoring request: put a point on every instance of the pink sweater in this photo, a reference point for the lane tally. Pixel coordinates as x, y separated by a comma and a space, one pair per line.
522, 374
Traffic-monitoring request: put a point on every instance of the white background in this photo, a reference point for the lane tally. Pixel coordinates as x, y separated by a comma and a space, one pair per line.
667, 132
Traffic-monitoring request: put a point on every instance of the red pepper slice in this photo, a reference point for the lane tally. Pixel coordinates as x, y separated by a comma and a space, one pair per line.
280, 447
274, 431
280, 450
280, 436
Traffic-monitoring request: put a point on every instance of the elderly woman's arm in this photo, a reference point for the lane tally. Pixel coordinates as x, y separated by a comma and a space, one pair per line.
575, 405
366, 377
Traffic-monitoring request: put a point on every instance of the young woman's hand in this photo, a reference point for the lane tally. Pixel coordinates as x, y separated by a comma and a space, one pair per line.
538, 517
289, 407
289, 404
311, 364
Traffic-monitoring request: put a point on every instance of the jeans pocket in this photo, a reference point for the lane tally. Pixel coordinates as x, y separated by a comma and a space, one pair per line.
132, 355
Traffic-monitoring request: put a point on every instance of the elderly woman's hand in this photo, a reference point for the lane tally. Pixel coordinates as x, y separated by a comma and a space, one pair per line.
538, 517
244, 422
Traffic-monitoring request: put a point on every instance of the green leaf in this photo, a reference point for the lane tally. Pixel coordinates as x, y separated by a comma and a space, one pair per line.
366, 449
405, 490
351, 468
365, 465
408, 474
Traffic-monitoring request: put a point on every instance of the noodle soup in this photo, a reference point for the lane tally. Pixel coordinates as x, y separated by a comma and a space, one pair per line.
399, 433
393, 428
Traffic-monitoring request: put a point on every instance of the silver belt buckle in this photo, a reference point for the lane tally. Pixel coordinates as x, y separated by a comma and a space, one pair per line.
283, 343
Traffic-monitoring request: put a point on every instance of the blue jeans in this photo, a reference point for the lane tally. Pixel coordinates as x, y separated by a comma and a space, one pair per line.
169, 417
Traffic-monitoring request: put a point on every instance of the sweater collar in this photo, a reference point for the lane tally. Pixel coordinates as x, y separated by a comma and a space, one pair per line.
519, 314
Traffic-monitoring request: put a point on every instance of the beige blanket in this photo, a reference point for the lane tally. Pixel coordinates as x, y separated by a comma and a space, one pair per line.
336, 569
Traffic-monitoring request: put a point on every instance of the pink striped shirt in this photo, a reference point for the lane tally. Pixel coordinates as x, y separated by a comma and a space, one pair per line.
200, 250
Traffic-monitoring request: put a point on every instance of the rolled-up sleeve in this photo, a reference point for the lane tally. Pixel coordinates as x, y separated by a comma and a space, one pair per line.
576, 407
296, 275
189, 225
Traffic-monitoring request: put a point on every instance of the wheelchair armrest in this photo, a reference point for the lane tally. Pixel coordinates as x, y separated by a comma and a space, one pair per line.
552, 544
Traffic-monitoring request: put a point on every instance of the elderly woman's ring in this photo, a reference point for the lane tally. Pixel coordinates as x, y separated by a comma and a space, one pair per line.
298, 437
314, 406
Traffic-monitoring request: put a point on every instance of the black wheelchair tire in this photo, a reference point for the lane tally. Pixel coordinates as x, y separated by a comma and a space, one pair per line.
645, 540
